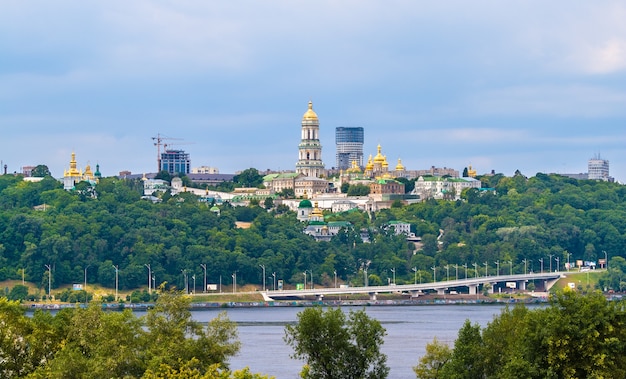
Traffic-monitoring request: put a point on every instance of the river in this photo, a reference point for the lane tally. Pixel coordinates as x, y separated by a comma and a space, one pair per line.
409, 329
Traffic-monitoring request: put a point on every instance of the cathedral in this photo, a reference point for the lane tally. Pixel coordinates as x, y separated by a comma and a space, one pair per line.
73, 175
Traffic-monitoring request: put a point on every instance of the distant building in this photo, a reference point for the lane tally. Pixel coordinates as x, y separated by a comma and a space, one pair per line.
598, 169
443, 188
74, 175
349, 144
175, 162
310, 149
205, 170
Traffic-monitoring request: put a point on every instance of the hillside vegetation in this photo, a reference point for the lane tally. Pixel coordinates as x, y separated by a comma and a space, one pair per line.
521, 219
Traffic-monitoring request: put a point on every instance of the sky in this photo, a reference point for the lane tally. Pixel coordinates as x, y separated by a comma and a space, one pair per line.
530, 85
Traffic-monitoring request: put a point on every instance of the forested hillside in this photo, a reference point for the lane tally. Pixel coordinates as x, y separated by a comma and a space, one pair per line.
543, 217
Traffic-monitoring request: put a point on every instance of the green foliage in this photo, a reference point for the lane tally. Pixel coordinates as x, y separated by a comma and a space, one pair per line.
577, 336
18, 292
431, 364
93, 343
334, 346
249, 177
41, 171
358, 190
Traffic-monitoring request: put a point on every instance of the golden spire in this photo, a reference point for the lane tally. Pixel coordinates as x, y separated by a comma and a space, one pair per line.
370, 164
317, 212
310, 115
73, 171
379, 157
399, 166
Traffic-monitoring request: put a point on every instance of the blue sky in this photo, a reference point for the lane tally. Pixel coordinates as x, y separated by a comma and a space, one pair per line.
529, 85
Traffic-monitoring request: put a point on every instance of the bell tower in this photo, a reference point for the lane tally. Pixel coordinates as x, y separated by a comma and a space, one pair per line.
310, 150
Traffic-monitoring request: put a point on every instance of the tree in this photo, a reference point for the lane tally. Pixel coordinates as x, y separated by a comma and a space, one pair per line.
336, 347
268, 203
358, 190
249, 177
41, 171
431, 364
18, 292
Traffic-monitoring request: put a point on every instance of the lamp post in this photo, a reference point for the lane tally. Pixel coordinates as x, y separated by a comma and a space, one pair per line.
465, 266
274, 275
193, 277
525, 266
85, 288
154, 281
415, 271
568, 264
550, 255
447, 267
234, 276
498, 267
541, 261
557, 264
456, 271
335, 273
204, 268
304, 273
393, 270
149, 278
511, 267
312, 284
49, 280
475, 269
486, 268
117, 270
263, 267
434, 273
184, 271
606, 260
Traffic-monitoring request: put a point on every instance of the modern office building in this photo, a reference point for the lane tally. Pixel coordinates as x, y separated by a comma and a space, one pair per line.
349, 142
175, 162
598, 169
310, 149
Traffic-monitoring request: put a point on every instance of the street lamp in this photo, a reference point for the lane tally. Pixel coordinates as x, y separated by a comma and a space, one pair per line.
49, 280
541, 261
475, 269
234, 276
149, 278
193, 277
274, 275
117, 270
550, 255
86, 283
263, 267
312, 284
434, 273
393, 270
557, 264
606, 260
335, 273
184, 271
204, 268
447, 267
498, 267
415, 271
526, 266
304, 273
465, 266
511, 267
486, 268
456, 271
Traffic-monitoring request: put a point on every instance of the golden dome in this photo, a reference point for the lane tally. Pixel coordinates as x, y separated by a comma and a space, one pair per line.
370, 164
317, 212
379, 157
399, 166
355, 168
88, 173
73, 171
310, 115
385, 164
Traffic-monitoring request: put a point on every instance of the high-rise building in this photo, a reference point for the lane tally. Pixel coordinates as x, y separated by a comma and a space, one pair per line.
175, 162
310, 150
598, 169
349, 141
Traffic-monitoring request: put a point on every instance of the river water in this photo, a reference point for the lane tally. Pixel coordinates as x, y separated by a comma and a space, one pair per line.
409, 329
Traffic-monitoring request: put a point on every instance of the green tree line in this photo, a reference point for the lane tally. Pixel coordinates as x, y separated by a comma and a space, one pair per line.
516, 223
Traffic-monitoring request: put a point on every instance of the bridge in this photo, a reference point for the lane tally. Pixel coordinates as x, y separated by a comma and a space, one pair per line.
543, 281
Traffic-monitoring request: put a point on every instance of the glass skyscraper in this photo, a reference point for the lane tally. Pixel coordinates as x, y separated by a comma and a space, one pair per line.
349, 141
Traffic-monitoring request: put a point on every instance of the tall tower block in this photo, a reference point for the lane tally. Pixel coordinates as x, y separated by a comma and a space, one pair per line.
349, 142
310, 150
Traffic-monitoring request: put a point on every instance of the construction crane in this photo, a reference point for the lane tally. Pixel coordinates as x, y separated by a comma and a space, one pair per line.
160, 140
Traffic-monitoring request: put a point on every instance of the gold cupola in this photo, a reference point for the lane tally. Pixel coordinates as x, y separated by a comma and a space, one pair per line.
379, 158
73, 171
370, 164
310, 115
399, 166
